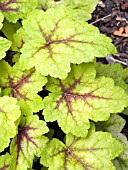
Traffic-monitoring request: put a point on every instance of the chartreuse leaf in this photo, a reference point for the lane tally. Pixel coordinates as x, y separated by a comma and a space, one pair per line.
4, 46
23, 85
19, 39
9, 113
81, 97
57, 40
114, 126
94, 152
17, 9
5, 161
28, 143
9, 29
1, 20
82, 9
115, 71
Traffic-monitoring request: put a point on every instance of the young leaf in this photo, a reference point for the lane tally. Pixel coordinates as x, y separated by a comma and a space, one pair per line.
114, 126
81, 9
17, 9
28, 143
81, 97
9, 113
5, 161
23, 85
91, 153
4, 46
57, 40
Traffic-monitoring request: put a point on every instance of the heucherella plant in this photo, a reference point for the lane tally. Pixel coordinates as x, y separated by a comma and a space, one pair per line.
17, 9
59, 108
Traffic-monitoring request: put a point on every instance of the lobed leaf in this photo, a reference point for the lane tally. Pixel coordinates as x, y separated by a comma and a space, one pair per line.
9, 29
4, 46
5, 161
114, 126
115, 71
80, 97
28, 143
81, 9
94, 152
23, 85
17, 9
121, 162
19, 39
57, 40
9, 113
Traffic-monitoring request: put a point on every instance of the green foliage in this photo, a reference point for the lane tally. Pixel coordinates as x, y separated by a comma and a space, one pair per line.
1, 20
28, 143
61, 41
9, 113
23, 85
4, 46
48, 73
81, 97
81, 9
114, 126
5, 161
116, 72
93, 152
9, 29
17, 9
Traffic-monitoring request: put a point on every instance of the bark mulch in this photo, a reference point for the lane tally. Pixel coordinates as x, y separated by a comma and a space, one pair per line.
110, 16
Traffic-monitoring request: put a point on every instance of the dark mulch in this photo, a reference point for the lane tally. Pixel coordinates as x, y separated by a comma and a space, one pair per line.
110, 15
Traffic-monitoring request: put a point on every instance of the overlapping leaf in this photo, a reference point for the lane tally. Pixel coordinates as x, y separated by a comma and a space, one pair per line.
28, 143
24, 86
9, 29
94, 152
4, 43
5, 161
121, 162
1, 19
17, 9
9, 113
19, 39
82, 9
4, 46
81, 97
57, 40
116, 72
114, 126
